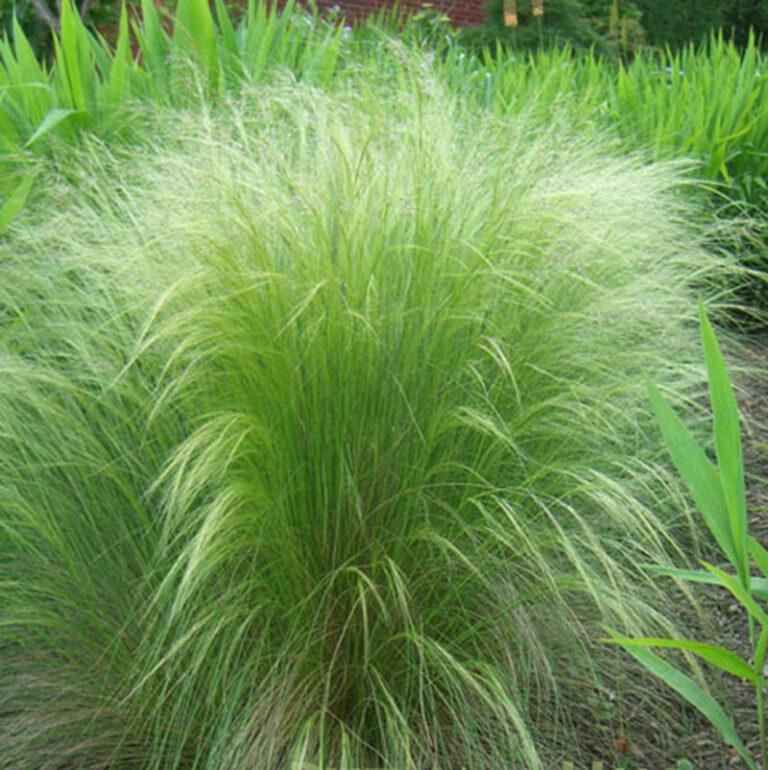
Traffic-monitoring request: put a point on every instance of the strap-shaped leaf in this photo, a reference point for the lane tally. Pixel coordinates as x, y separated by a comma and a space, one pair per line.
724, 659
154, 45
727, 445
49, 122
118, 87
691, 575
758, 586
688, 689
195, 33
697, 471
760, 649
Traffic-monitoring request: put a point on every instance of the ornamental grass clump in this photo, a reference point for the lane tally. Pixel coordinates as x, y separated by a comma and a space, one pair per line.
323, 436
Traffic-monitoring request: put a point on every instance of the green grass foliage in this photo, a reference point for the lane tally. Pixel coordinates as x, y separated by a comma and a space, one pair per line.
707, 103
325, 437
323, 425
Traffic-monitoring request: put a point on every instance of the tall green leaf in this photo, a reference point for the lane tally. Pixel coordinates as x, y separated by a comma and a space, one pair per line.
118, 85
698, 472
728, 446
195, 34
758, 586
49, 122
760, 555
68, 58
154, 46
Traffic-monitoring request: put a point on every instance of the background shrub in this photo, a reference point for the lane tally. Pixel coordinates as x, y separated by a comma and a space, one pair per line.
677, 22
564, 21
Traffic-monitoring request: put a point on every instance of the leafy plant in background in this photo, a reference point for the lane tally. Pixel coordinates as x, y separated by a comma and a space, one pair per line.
677, 23
707, 102
41, 19
618, 22
563, 22
719, 493
429, 26
90, 82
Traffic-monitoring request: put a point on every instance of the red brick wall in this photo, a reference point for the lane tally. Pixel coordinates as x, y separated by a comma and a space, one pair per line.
463, 13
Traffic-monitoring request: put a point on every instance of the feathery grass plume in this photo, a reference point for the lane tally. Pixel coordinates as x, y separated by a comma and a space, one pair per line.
324, 436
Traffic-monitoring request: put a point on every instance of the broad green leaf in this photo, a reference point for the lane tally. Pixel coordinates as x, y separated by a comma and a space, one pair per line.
16, 200
228, 34
262, 33
31, 69
297, 765
728, 445
692, 575
118, 84
724, 659
195, 33
760, 649
49, 122
67, 55
688, 689
24, 92
759, 588
154, 46
98, 55
698, 472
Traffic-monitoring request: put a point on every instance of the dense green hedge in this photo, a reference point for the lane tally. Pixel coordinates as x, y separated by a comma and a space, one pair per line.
676, 22
621, 26
603, 25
